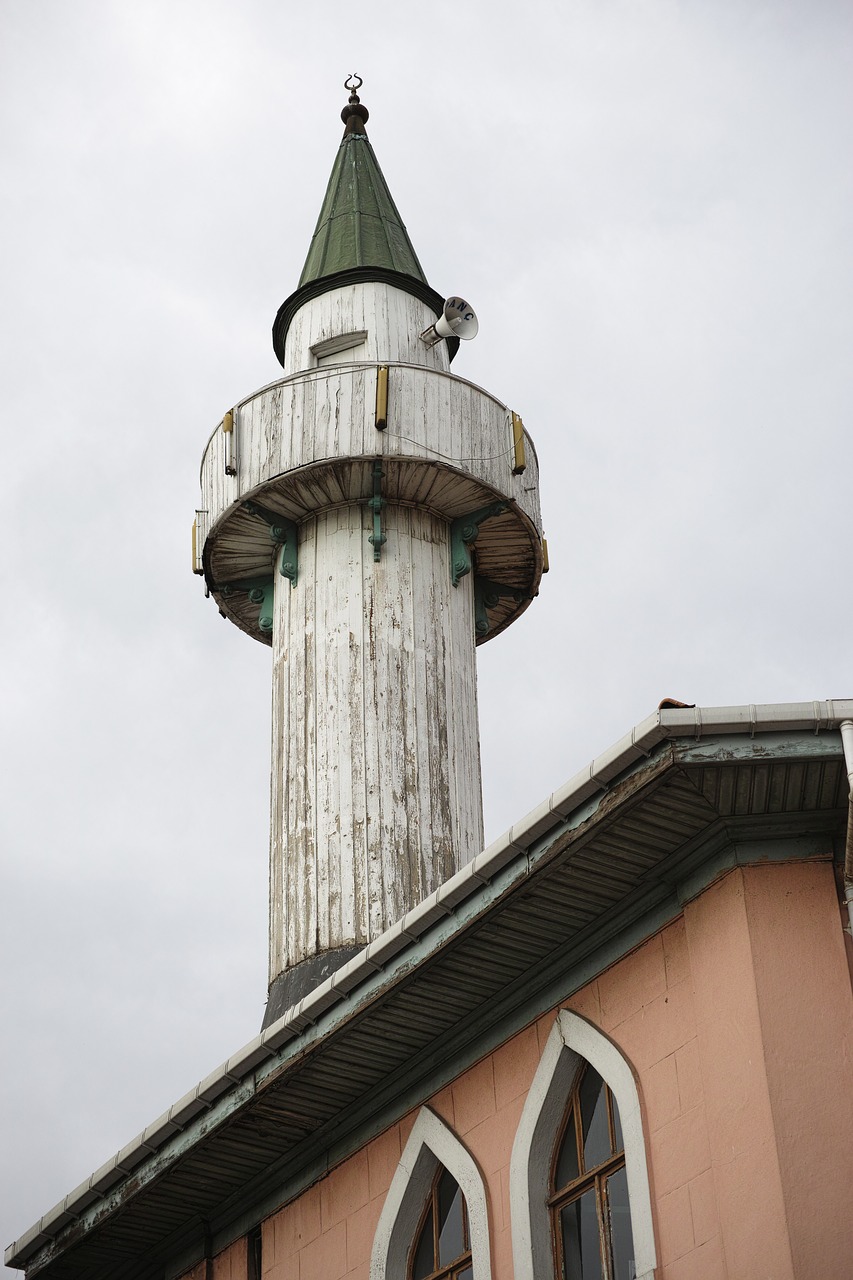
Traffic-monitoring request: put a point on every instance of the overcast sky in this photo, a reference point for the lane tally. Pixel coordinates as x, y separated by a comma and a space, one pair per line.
647, 202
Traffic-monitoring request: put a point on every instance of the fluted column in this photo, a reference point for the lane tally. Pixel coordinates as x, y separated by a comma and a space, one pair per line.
376, 795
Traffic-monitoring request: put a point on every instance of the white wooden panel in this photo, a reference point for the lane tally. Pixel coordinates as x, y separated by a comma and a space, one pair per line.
376, 796
329, 414
392, 319
376, 773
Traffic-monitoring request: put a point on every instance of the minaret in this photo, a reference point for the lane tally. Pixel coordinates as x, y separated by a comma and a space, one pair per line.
372, 518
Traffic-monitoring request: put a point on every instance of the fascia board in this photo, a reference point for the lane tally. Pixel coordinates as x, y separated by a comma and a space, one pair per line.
20, 1251
345, 979
386, 946
459, 887
215, 1084
499, 854
279, 1033
318, 1000
537, 823
81, 1198
248, 1058
186, 1108
423, 916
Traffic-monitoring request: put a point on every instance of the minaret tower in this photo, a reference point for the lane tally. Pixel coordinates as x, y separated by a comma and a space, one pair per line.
372, 518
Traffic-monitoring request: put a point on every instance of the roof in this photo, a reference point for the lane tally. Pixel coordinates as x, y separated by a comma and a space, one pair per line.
604, 862
359, 234
359, 225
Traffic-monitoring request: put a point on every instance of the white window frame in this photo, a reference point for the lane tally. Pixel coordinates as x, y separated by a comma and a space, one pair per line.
572, 1042
430, 1144
337, 345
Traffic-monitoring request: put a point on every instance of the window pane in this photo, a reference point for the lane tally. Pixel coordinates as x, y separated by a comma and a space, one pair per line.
451, 1238
567, 1161
596, 1135
581, 1239
467, 1274
621, 1239
424, 1260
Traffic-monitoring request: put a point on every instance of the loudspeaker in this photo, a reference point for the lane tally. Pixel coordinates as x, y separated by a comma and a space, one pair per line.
458, 320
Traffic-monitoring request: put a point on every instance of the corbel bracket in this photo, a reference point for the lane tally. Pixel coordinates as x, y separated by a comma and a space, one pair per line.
259, 590
463, 535
284, 534
376, 503
486, 595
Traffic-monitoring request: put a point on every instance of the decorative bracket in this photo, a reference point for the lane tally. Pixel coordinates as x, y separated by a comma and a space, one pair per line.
376, 503
260, 591
463, 534
486, 596
284, 534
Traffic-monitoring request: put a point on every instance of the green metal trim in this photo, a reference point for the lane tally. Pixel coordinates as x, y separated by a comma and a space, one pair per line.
487, 594
288, 565
285, 534
463, 534
376, 503
722, 748
264, 596
259, 590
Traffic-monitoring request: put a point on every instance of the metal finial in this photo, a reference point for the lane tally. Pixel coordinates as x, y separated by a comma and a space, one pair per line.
354, 115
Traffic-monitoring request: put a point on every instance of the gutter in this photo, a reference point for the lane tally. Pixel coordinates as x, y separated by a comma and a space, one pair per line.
231, 1085
846, 727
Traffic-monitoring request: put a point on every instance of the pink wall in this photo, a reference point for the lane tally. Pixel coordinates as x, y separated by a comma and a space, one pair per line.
805, 1007
228, 1265
328, 1232
646, 1005
737, 1021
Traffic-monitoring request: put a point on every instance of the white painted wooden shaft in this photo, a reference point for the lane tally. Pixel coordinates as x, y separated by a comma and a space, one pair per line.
376, 794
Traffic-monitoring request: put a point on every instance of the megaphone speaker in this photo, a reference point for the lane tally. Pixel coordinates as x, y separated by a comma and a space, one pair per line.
458, 320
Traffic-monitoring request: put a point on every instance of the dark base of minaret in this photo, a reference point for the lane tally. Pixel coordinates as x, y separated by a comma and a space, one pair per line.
289, 987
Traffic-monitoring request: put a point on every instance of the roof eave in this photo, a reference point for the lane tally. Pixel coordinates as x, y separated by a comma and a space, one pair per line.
656, 745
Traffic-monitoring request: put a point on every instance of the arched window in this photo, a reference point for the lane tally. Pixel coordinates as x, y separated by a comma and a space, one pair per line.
590, 1215
578, 1159
434, 1223
442, 1248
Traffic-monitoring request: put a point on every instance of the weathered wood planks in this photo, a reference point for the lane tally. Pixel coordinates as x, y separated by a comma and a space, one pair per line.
376, 773
375, 796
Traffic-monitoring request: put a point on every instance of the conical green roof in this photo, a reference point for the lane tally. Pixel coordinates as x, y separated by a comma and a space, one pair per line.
360, 235
359, 225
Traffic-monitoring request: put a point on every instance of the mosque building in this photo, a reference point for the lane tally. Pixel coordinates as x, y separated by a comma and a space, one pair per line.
615, 1044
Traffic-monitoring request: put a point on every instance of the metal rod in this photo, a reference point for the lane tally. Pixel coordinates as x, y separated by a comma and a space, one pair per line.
382, 397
